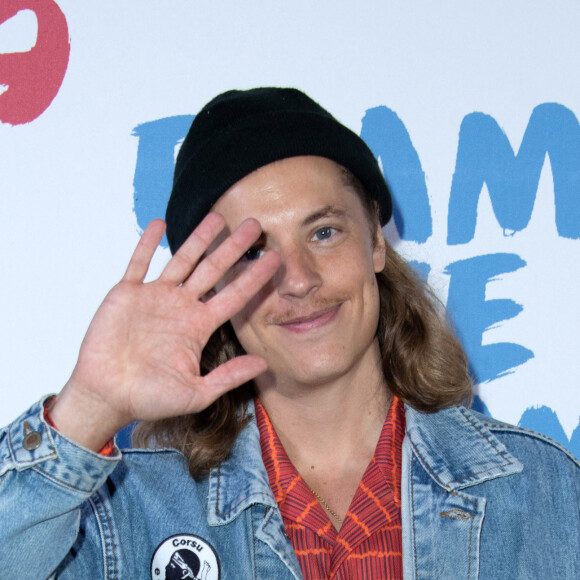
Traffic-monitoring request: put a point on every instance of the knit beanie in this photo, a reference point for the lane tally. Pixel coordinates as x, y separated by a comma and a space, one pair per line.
240, 131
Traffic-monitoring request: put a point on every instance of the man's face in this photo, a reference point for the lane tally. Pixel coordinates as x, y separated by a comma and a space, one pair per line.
316, 320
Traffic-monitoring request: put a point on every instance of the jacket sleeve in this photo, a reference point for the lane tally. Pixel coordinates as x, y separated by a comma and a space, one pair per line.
44, 480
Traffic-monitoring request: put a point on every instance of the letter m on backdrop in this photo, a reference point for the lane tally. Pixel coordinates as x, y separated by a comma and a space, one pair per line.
484, 155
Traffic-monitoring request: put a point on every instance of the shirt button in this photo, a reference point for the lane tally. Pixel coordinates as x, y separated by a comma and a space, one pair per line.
32, 440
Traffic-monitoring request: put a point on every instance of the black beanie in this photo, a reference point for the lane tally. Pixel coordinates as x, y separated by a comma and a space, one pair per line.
240, 131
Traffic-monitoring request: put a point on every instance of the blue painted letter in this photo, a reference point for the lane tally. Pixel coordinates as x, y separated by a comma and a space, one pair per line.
389, 140
484, 155
473, 314
155, 164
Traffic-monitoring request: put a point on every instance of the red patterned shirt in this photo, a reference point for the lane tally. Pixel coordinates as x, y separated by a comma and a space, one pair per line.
369, 543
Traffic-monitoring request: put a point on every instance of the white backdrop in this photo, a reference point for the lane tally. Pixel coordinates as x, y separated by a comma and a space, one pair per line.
471, 107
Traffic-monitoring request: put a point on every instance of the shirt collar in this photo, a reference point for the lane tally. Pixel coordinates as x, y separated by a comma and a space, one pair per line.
290, 490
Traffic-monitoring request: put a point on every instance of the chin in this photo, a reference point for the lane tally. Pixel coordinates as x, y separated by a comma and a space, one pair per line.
316, 370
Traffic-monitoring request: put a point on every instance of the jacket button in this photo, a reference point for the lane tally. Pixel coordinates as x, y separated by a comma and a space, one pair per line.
32, 440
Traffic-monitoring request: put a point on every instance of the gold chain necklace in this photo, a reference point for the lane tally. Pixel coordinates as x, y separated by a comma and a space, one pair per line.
325, 505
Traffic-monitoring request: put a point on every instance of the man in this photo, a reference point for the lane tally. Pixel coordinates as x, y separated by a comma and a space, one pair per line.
269, 366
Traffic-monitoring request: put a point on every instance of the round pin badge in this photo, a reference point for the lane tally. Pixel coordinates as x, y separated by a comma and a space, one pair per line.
185, 556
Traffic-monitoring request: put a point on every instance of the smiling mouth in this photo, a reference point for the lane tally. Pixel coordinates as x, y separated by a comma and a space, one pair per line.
310, 322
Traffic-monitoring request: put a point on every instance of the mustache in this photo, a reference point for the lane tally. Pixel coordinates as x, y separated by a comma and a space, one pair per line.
305, 311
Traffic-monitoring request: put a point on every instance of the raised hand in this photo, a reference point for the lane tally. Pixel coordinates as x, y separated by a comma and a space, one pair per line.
140, 358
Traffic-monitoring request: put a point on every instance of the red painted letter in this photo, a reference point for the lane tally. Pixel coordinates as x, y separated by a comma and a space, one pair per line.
34, 77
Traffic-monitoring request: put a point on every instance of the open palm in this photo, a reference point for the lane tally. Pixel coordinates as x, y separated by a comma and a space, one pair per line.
140, 358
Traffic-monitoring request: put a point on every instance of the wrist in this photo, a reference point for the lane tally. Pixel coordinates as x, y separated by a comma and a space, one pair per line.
85, 420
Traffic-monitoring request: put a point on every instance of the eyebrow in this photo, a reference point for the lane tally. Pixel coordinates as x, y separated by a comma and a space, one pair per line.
324, 212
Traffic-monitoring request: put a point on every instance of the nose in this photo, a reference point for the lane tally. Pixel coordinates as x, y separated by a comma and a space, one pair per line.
298, 274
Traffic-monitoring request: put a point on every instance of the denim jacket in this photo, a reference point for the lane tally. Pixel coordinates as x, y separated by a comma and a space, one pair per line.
480, 499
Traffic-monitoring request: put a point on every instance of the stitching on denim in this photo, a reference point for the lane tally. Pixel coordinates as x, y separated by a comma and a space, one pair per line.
217, 496
434, 475
454, 493
269, 514
101, 533
113, 545
472, 423
253, 544
268, 517
473, 502
428, 467
413, 512
516, 430
217, 503
58, 481
98, 507
257, 498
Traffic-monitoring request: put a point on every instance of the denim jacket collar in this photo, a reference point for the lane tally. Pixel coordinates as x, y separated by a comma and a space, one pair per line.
457, 449
454, 446
242, 480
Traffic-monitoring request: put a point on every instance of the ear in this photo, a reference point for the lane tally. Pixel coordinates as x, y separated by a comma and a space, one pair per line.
379, 249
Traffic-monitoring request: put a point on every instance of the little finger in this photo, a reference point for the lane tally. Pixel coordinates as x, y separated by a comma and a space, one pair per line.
143, 253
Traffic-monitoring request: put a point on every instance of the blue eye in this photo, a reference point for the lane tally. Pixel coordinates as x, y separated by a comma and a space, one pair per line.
324, 233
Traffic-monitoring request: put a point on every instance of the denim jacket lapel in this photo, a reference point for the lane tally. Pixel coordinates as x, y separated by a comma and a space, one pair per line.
239, 487
445, 454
